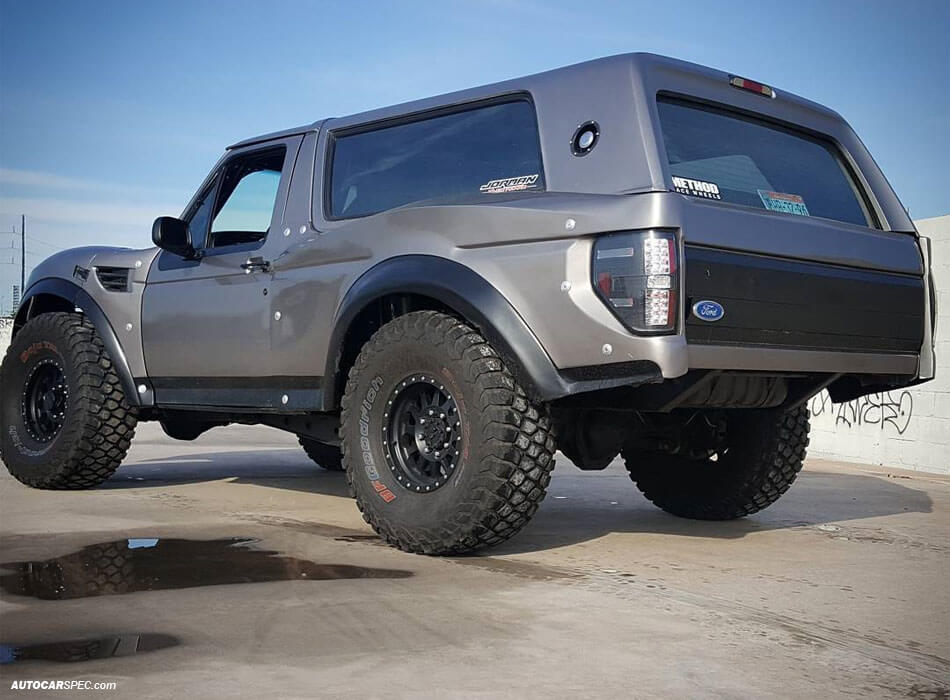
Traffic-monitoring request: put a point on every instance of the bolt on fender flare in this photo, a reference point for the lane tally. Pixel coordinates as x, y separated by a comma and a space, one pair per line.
80, 299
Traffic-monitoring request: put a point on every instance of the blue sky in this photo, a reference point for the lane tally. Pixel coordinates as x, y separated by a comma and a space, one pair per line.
111, 113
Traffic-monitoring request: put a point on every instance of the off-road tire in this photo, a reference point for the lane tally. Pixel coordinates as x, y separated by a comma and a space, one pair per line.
765, 453
326, 456
506, 448
98, 424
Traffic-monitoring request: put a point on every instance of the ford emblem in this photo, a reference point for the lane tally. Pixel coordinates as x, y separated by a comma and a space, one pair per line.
707, 310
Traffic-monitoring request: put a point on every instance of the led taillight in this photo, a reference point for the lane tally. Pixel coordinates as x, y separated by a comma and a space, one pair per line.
635, 274
751, 86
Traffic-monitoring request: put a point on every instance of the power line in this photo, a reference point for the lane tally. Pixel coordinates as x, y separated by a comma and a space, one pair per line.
51, 245
34, 240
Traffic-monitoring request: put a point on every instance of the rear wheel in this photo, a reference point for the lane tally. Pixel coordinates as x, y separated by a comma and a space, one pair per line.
761, 453
65, 421
327, 456
443, 450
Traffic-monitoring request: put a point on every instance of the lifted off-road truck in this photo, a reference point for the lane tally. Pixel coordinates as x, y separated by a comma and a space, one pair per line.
633, 256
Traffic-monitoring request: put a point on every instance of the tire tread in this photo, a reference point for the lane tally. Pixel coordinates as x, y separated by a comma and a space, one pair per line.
517, 437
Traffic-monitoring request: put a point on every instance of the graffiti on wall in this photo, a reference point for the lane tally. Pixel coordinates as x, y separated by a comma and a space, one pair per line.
888, 409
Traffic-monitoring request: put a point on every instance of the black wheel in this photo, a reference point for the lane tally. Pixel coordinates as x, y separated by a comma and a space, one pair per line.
326, 456
443, 450
761, 455
64, 420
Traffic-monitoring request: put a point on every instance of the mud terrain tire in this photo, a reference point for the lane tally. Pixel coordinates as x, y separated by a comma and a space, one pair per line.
764, 455
77, 429
494, 472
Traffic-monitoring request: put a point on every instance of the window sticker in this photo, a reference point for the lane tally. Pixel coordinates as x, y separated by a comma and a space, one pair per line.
510, 184
696, 188
781, 201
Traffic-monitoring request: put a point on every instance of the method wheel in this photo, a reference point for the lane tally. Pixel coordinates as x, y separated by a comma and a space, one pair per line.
65, 420
443, 450
326, 456
763, 454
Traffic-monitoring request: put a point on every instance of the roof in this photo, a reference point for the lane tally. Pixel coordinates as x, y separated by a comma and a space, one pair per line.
295, 131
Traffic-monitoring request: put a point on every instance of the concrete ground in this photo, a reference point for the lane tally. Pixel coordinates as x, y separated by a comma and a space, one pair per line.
233, 567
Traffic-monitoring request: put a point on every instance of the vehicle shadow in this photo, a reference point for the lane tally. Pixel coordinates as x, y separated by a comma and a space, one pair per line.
580, 506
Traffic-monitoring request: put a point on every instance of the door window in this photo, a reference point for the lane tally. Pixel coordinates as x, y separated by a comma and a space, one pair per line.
246, 198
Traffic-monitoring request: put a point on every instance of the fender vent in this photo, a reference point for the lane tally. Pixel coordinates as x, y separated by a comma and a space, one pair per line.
113, 279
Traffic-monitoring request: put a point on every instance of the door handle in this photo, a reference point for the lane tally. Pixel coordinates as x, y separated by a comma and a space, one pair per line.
256, 264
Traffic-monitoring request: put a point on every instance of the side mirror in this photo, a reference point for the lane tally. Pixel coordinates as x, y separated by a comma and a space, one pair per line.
172, 234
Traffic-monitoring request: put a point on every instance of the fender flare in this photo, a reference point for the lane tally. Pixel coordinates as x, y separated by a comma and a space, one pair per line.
464, 291
80, 298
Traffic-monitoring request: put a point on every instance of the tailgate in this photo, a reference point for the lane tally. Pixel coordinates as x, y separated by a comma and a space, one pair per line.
778, 302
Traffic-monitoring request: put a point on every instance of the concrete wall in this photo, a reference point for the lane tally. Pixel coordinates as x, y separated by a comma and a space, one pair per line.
908, 428
6, 327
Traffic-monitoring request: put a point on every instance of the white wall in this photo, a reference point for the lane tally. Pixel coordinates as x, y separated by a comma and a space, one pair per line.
908, 428
6, 327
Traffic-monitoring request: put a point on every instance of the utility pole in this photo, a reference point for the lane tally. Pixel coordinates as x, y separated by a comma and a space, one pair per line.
22, 252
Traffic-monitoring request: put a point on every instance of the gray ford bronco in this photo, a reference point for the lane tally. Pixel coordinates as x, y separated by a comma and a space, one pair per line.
634, 256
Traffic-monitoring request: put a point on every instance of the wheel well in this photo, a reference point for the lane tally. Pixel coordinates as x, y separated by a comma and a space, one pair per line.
370, 319
40, 304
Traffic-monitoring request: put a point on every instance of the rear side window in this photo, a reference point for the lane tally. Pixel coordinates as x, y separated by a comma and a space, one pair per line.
453, 157
723, 156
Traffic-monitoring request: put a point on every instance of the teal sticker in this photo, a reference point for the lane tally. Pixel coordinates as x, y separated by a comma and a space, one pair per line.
780, 201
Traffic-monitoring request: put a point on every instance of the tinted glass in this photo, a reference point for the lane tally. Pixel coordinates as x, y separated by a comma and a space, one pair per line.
247, 197
717, 155
250, 206
476, 153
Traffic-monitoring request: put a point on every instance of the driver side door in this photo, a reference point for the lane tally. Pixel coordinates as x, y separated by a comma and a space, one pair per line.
206, 321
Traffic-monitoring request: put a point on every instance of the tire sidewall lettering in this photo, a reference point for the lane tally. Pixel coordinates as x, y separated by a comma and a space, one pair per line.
12, 416
366, 428
36, 348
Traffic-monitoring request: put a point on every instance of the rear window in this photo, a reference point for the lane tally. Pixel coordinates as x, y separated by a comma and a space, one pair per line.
478, 152
719, 155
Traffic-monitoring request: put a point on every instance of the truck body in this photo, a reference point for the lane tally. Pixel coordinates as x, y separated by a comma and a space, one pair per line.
633, 236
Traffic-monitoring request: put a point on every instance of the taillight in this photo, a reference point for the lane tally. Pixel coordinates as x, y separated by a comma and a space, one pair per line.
636, 274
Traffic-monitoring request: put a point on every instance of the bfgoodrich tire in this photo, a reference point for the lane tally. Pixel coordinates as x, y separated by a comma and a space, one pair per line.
443, 451
763, 454
326, 456
64, 420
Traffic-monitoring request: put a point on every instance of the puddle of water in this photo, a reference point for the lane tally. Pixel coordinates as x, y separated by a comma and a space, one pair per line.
151, 564
86, 649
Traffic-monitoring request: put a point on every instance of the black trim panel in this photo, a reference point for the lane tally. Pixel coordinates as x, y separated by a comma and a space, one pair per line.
259, 393
802, 305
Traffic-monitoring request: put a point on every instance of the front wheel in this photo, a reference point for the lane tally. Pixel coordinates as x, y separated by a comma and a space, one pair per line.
443, 450
761, 454
64, 419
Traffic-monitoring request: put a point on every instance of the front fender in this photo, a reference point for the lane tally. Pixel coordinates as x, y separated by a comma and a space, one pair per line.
77, 298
